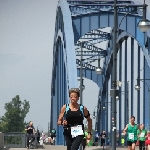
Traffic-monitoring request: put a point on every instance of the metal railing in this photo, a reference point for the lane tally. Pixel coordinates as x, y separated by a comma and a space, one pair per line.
17, 140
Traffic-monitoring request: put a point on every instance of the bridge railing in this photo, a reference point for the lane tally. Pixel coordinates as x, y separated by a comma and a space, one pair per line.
16, 140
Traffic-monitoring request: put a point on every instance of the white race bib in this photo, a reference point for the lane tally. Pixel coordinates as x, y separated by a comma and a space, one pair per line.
131, 136
76, 130
142, 135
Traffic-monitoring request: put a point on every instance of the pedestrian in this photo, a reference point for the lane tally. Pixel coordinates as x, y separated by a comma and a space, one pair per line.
38, 136
147, 141
122, 141
131, 130
71, 117
108, 142
53, 135
103, 137
84, 142
96, 138
142, 133
30, 134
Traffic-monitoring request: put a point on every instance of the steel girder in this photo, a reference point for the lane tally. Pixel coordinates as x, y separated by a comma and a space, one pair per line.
78, 21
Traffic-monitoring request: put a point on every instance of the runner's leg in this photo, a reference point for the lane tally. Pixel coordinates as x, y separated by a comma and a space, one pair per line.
129, 145
133, 146
69, 140
76, 142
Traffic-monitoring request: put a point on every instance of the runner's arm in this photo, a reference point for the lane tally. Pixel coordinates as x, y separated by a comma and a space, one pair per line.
125, 129
61, 115
89, 120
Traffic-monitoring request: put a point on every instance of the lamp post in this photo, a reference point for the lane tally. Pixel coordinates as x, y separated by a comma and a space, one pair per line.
81, 78
144, 26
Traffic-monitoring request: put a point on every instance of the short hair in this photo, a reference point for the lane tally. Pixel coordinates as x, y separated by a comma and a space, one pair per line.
74, 90
132, 117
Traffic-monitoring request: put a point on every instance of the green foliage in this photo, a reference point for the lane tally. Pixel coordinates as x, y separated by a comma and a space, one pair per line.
13, 119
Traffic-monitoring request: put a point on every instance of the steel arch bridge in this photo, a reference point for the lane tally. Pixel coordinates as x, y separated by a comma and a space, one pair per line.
91, 22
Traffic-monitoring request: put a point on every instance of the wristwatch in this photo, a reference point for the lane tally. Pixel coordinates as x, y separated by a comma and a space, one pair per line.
90, 133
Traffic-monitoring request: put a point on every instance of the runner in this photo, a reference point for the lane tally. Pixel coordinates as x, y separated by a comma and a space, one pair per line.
131, 130
122, 141
103, 137
147, 142
53, 135
30, 133
84, 142
142, 133
71, 117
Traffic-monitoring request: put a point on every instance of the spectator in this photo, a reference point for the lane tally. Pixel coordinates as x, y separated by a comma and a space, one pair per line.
96, 138
30, 133
122, 141
103, 137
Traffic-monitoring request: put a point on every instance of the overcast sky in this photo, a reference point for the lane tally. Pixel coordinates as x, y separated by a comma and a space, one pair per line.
26, 47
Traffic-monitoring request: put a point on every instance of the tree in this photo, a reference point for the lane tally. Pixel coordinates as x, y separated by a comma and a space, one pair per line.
13, 119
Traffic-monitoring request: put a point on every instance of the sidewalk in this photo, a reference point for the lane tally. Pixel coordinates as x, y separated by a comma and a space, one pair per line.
108, 148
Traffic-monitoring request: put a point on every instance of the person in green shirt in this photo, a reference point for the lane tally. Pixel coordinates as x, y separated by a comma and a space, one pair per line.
122, 141
84, 139
142, 133
131, 130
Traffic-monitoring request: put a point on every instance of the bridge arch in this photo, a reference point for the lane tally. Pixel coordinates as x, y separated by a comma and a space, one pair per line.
73, 23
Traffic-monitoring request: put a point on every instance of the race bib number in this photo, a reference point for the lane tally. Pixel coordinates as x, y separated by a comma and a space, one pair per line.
77, 130
131, 136
142, 135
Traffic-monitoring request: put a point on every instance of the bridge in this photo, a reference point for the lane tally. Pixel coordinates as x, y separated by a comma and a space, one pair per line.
83, 43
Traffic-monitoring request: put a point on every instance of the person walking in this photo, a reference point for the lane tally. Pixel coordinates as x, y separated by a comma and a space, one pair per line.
71, 117
142, 133
122, 141
108, 142
131, 130
96, 138
53, 135
147, 141
30, 133
103, 137
84, 142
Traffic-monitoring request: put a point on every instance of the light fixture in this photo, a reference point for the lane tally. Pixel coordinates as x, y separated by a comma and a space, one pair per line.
83, 87
117, 98
104, 107
99, 70
137, 87
144, 25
